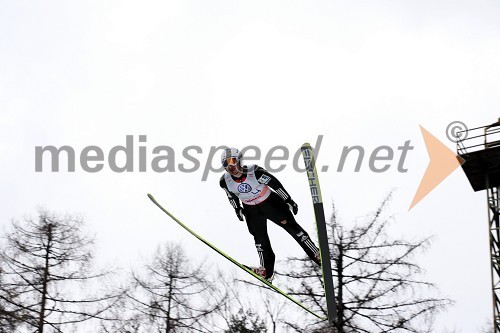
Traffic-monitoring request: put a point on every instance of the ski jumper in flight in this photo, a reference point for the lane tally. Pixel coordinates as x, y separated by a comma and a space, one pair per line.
262, 198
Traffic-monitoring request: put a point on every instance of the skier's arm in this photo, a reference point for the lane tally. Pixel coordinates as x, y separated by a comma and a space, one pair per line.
264, 177
233, 200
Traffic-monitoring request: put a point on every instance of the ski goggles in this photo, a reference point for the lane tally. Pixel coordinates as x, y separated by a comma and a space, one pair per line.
230, 161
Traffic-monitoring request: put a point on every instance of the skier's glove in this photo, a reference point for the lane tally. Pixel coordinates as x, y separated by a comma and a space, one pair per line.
292, 206
240, 213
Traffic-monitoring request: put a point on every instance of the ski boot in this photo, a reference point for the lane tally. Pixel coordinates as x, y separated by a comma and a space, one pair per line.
317, 259
261, 271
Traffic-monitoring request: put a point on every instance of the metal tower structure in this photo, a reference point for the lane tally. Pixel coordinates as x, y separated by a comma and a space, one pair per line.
480, 148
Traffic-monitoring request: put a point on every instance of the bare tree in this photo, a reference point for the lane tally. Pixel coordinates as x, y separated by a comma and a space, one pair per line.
274, 309
378, 286
10, 316
246, 312
487, 328
124, 320
172, 296
246, 321
45, 263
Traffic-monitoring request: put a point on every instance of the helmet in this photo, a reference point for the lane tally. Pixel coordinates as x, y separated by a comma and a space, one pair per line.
230, 156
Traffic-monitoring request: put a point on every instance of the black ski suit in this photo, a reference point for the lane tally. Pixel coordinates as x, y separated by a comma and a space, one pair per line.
260, 203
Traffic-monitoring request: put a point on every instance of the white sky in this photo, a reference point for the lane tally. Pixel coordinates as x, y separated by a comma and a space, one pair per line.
245, 73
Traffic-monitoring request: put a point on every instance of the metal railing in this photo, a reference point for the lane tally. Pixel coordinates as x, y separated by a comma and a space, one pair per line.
478, 138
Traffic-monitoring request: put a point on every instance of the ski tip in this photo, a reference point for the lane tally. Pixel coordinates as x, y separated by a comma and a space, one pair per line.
150, 196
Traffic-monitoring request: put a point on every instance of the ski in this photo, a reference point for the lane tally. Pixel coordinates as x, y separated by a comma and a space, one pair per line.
243, 267
326, 267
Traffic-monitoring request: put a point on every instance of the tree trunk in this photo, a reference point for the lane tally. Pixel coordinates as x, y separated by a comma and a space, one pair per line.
170, 290
45, 279
340, 304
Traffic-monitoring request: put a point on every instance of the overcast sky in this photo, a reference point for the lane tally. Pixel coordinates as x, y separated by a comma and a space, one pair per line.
242, 73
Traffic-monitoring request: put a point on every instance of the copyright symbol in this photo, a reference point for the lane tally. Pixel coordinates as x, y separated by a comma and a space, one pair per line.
456, 131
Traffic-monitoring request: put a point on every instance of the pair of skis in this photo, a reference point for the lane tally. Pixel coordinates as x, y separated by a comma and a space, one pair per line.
312, 176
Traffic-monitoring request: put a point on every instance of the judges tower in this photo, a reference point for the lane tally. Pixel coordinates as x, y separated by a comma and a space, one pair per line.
480, 148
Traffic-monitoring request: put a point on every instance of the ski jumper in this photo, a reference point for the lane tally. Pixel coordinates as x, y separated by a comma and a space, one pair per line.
263, 197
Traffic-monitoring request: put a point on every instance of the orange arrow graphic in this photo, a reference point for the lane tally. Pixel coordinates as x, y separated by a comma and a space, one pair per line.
442, 162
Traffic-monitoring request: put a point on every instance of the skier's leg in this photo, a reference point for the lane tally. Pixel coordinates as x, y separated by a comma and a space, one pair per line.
257, 226
280, 214
302, 237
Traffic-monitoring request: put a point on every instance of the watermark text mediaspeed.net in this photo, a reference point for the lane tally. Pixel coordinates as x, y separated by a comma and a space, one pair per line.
135, 155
